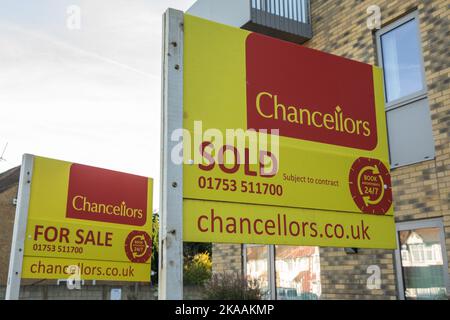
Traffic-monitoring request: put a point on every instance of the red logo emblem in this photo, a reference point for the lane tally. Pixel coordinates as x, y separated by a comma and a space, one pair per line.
107, 196
309, 95
138, 246
370, 186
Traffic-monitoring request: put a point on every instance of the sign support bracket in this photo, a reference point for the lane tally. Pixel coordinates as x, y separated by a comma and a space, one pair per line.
20, 228
171, 197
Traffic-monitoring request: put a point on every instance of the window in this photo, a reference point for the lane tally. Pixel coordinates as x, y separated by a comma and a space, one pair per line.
407, 108
257, 267
297, 272
285, 272
421, 261
402, 61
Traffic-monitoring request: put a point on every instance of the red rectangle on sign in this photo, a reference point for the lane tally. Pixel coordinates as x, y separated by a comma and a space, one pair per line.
107, 196
309, 95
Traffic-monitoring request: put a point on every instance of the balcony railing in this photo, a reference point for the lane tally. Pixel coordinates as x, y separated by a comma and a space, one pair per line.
288, 19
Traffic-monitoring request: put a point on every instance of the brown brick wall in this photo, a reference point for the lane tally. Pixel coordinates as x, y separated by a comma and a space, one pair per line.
227, 257
345, 276
7, 214
51, 291
422, 190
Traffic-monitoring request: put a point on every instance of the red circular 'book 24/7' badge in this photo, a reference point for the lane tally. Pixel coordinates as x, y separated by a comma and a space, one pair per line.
370, 186
138, 246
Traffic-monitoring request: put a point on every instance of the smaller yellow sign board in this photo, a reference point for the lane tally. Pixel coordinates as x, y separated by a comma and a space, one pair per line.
87, 222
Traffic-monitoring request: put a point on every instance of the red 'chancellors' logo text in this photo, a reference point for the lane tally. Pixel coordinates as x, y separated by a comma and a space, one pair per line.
309, 95
106, 196
370, 186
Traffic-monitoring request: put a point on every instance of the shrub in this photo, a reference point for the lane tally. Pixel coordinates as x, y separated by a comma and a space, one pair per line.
198, 270
229, 286
155, 248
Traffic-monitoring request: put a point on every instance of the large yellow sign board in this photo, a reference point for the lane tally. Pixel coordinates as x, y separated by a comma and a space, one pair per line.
87, 222
325, 156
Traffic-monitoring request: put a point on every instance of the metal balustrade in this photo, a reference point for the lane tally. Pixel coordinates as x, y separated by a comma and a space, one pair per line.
288, 19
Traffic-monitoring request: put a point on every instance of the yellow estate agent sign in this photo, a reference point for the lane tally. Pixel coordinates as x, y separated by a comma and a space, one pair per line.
87, 222
328, 184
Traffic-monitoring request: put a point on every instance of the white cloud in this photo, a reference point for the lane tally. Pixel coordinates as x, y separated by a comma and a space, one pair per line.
90, 96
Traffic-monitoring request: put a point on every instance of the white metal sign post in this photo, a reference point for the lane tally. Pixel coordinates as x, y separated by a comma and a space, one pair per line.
171, 198
20, 227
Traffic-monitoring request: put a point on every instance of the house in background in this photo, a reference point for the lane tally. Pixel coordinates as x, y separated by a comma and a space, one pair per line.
9, 183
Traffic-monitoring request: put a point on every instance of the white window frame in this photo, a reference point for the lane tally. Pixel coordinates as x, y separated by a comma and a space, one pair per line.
270, 267
419, 95
419, 224
410, 99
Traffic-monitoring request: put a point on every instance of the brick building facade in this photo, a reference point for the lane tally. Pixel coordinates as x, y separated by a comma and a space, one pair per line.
421, 190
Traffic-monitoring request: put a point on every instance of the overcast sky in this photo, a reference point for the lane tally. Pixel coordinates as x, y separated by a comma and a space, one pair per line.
88, 95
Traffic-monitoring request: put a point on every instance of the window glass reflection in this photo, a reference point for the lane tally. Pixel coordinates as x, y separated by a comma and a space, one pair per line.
297, 273
422, 264
257, 267
402, 61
